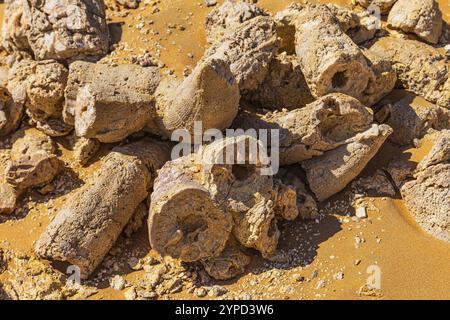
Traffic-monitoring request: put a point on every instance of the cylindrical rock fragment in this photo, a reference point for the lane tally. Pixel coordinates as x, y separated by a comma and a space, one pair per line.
420, 68
422, 17
209, 95
93, 217
248, 50
330, 60
308, 132
109, 102
333, 171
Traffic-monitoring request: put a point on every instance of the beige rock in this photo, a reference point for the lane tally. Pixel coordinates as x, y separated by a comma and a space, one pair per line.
15, 27
422, 17
323, 125
427, 196
198, 201
285, 22
109, 102
284, 86
33, 160
11, 111
210, 95
330, 60
420, 68
229, 264
93, 217
40, 86
230, 15
384, 5
333, 171
84, 149
8, 198
248, 50
382, 80
412, 120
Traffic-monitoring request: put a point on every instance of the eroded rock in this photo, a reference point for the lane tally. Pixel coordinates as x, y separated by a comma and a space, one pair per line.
93, 217
422, 17
333, 171
383, 5
11, 111
210, 95
230, 15
248, 50
308, 132
284, 86
420, 68
330, 60
427, 193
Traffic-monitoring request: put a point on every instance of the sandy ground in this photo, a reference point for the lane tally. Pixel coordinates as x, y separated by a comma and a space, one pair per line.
331, 256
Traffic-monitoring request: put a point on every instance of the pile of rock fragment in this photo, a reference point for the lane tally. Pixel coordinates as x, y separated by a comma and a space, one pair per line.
321, 70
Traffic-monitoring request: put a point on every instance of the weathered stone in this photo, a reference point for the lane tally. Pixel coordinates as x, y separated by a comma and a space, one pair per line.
84, 149
422, 17
323, 125
412, 120
8, 198
33, 160
381, 81
15, 27
383, 5
229, 264
109, 102
11, 111
420, 68
333, 171
93, 217
40, 86
230, 15
248, 50
330, 60
284, 86
427, 196
209, 95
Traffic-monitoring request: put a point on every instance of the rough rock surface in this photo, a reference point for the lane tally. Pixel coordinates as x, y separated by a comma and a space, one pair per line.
11, 111
40, 86
33, 160
308, 132
422, 17
93, 217
333, 171
411, 121
198, 201
230, 263
420, 68
60, 30
284, 86
427, 191
330, 60
248, 50
109, 102
230, 15
384, 5
84, 149
381, 81
210, 95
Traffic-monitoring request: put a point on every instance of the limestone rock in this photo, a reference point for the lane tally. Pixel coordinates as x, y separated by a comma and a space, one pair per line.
422, 17
384, 5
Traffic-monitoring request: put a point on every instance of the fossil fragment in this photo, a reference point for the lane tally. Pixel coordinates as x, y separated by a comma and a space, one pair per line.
420, 68
248, 50
333, 171
198, 201
210, 95
308, 132
427, 190
330, 60
93, 217
284, 86
422, 17
230, 15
